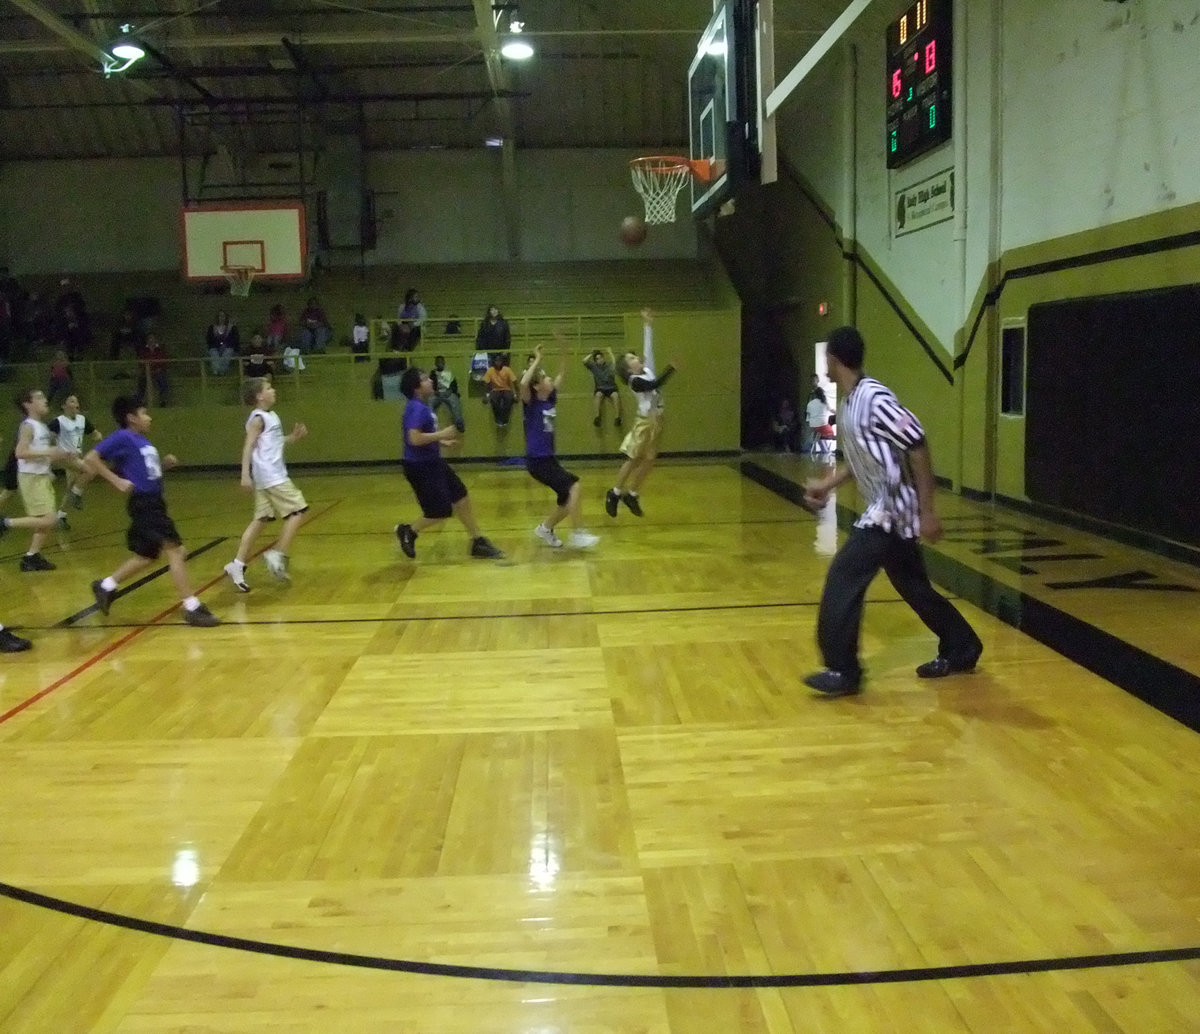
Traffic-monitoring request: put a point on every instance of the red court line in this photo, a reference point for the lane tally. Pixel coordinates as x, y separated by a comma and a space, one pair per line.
113, 647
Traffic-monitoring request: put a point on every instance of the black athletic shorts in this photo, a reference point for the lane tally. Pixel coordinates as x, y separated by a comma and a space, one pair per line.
550, 473
150, 526
10, 473
606, 392
436, 485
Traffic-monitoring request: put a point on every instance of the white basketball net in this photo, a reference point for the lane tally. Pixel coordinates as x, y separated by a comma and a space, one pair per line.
659, 181
240, 278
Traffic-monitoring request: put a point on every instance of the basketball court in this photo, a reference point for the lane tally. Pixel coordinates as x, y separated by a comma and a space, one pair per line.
587, 790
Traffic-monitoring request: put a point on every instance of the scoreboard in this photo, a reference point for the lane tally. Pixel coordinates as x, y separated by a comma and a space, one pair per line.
918, 80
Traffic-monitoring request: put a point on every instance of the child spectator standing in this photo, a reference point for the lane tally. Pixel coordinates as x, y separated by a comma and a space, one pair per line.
360, 338
445, 392
265, 473
604, 384
128, 462
500, 381
439, 490
641, 443
539, 394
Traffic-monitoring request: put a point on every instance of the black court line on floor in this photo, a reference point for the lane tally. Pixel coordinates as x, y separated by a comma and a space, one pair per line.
500, 616
951, 571
1157, 682
144, 580
535, 976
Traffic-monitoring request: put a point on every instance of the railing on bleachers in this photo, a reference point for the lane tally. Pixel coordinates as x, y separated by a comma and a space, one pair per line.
192, 382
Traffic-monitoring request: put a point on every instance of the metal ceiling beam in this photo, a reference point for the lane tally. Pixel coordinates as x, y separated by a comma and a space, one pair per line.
273, 102
68, 34
489, 42
302, 65
346, 38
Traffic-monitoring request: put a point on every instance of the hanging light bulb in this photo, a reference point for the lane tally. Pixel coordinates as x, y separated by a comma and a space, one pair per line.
515, 48
125, 50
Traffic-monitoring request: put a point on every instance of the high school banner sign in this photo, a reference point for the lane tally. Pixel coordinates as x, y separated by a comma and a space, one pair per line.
927, 203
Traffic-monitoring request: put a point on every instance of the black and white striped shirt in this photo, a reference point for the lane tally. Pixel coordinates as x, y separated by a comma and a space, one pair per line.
874, 433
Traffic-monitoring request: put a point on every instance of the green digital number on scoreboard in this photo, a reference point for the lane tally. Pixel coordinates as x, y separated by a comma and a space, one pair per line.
918, 80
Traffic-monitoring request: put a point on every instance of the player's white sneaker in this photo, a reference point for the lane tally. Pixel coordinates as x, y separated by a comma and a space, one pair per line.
277, 564
237, 575
547, 536
582, 540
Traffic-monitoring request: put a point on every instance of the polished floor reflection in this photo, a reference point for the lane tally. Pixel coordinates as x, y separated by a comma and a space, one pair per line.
586, 791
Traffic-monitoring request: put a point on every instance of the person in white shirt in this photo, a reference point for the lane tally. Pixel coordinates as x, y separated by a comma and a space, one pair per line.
35, 451
888, 458
641, 443
816, 417
72, 427
265, 473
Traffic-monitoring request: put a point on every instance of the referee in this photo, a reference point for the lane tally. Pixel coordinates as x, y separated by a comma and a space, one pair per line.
887, 455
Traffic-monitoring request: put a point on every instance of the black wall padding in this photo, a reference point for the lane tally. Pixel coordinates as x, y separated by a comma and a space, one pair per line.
1112, 425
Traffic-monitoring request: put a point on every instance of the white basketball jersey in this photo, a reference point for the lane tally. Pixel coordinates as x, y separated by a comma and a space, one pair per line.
266, 461
71, 430
42, 439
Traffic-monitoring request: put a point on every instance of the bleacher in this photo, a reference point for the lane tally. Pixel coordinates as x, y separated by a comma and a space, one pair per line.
532, 297
595, 304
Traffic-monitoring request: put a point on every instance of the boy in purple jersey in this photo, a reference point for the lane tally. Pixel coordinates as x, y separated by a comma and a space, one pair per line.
128, 462
440, 492
539, 393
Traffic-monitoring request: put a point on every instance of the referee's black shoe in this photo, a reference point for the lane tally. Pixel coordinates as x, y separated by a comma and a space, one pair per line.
832, 683
940, 666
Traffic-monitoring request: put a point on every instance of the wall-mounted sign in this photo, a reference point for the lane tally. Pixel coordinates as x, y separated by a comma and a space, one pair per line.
923, 204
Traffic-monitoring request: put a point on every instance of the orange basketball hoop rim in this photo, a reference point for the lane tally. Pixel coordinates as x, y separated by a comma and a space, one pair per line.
660, 178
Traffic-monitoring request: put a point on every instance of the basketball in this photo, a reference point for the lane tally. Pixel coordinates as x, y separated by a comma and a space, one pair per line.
633, 231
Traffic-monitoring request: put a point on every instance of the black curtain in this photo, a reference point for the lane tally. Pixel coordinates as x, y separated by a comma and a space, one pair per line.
1111, 409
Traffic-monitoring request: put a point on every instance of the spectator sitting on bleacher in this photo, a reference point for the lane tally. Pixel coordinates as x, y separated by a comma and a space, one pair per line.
409, 321
223, 343
494, 334
36, 319
126, 335
277, 329
70, 310
152, 366
72, 332
256, 361
315, 330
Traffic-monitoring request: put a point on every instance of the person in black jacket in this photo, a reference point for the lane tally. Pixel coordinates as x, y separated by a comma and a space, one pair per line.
494, 334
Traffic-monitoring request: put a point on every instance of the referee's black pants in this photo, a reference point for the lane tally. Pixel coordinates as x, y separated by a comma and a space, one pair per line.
862, 556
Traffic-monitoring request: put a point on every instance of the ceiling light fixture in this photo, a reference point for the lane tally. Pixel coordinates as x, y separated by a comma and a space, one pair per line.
124, 51
515, 48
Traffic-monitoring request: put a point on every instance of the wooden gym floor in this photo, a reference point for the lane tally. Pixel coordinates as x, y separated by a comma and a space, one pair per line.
587, 792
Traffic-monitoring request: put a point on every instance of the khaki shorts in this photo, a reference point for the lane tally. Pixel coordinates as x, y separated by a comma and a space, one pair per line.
280, 500
37, 493
641, 443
